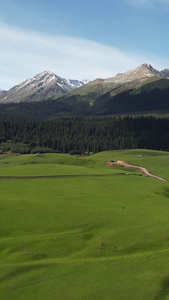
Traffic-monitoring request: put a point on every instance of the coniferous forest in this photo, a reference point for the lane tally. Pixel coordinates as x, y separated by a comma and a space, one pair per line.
80, 135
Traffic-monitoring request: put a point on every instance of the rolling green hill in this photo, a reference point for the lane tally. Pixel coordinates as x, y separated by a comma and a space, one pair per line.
84, 237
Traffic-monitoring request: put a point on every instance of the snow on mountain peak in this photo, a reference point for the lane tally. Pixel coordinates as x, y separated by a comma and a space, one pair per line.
48, 77
38, 80
43, 86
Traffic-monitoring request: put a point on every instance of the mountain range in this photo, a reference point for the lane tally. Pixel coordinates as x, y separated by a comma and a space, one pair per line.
48, 85
143, 89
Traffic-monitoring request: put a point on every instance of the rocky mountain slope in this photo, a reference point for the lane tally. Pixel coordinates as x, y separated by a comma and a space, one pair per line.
121, 82
2, 91
39, 88
140, 73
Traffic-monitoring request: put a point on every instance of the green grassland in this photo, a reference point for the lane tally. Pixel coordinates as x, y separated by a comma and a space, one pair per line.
84, 236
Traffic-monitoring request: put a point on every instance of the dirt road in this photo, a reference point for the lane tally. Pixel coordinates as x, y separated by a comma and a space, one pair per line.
128, 165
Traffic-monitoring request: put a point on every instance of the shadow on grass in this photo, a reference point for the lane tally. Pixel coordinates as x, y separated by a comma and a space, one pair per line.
164, 291
166, 192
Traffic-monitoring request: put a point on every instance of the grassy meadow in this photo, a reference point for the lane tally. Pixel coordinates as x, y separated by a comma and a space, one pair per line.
67, 234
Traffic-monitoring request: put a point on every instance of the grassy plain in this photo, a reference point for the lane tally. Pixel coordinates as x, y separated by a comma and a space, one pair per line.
84, 237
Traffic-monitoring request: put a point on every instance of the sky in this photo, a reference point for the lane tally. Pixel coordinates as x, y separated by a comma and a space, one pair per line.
81, 39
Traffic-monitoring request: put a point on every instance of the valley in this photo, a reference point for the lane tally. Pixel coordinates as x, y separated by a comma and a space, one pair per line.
67, 219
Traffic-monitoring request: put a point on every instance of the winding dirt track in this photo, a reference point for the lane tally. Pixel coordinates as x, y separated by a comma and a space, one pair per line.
108, 163
128, 165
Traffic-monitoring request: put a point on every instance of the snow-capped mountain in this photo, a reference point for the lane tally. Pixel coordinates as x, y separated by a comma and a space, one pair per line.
40, 87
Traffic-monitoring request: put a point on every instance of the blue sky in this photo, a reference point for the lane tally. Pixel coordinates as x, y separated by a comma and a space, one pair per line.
78, 39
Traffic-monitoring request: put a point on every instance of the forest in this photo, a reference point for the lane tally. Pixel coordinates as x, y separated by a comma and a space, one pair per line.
80, 135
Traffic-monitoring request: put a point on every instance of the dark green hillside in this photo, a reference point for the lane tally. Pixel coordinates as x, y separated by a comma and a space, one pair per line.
45, 109
128, 102
154, 83
96, 100
150, 97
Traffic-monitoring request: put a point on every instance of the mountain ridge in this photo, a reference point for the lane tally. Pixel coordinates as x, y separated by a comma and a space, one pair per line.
141, 72
131, 79
40, 87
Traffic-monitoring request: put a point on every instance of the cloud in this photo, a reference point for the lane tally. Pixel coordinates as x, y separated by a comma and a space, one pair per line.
26, 53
